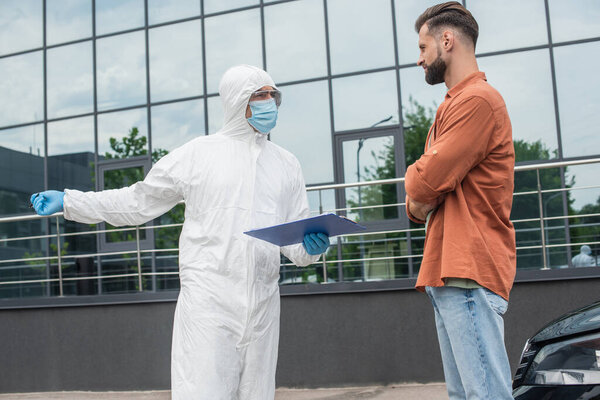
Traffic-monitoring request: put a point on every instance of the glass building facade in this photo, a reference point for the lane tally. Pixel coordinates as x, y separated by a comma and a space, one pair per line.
92, 92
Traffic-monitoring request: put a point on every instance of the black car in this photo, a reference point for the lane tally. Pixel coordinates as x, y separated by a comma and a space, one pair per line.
562, 361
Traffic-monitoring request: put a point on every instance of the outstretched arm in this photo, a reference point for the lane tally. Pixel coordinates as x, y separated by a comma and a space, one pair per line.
132, 205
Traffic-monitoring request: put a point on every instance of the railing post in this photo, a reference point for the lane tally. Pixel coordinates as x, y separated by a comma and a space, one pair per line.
542, 226
139, 257
58, 248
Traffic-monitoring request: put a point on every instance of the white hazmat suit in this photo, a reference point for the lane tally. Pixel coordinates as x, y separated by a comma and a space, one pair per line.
226, 327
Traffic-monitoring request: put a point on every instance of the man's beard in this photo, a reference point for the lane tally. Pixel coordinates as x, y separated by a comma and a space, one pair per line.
436, 71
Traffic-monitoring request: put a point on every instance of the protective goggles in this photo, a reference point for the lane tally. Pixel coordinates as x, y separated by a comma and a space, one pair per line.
267, 94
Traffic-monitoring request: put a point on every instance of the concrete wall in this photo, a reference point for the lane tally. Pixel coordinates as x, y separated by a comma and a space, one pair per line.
327, 340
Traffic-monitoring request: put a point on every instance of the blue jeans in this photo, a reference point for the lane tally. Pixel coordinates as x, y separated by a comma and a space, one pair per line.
470, 330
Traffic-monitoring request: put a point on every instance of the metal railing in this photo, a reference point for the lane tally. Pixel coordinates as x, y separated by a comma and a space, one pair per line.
139, 253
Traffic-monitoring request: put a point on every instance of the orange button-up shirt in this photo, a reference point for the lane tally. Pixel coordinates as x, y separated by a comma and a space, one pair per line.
469, 159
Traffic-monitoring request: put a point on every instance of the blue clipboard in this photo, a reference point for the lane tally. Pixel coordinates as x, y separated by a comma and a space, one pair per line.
293, 232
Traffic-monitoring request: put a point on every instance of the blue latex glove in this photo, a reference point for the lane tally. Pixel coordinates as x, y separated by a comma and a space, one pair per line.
315, 243
48, 202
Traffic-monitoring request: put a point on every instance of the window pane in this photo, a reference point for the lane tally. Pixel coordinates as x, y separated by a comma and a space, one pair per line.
407, 12
413, 86
369, 159
71, 137
578, 98
294, 52
70, 80
118, 15
177, 123
22, 88
121, 71
354, 30
131, 125
215, 114
224, 49
522, 23
572, 20
211, 6
304, 128
585, 186
524, 81
22, 166
68, 20
71, 154
27, 139
321, 204
176, 61
21, 25
170, 10
365, 100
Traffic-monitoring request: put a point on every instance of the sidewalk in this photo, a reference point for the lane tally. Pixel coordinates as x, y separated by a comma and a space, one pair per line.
432, 391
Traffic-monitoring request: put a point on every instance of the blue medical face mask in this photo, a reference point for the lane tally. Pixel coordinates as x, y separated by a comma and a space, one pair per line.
264, 115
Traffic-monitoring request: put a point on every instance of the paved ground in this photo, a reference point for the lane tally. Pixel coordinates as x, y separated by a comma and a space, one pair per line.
434, 391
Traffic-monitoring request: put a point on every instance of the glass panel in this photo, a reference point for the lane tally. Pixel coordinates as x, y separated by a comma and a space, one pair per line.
522, 23
304, 128
170, 10
116, 179
118, 15
526, 206
294, 52
572, 20
353, 31
383, 257
215, 114
116, 128
323, 202
212, 6
369, 159
73, 141
119, 265
27, 270
578, 98
415, 90
224, 49
175, 124
22, 88
22, 25
70, 80
176, 61
167, 263
417, 121
407, 12
121, 71
27, 139
585, 189
22, 166
585, 201
524, 81
364, 101
68, 20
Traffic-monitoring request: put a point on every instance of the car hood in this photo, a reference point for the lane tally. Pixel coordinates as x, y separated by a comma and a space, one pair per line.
585, 319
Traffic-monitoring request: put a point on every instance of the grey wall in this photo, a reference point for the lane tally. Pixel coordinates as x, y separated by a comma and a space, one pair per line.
326, 340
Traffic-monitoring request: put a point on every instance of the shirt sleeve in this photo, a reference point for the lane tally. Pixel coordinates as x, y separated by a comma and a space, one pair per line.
462, 143
298, 209
132, 205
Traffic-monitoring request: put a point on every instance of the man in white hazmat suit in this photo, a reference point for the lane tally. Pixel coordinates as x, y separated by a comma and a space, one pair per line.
226, 326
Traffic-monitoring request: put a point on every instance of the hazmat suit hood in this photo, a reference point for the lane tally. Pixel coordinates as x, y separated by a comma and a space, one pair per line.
236, 86
585, 249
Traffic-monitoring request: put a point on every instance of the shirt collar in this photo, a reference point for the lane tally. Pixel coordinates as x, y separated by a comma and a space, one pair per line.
469, 80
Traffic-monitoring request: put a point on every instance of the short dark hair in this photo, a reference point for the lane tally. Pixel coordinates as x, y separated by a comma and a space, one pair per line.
453, 14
